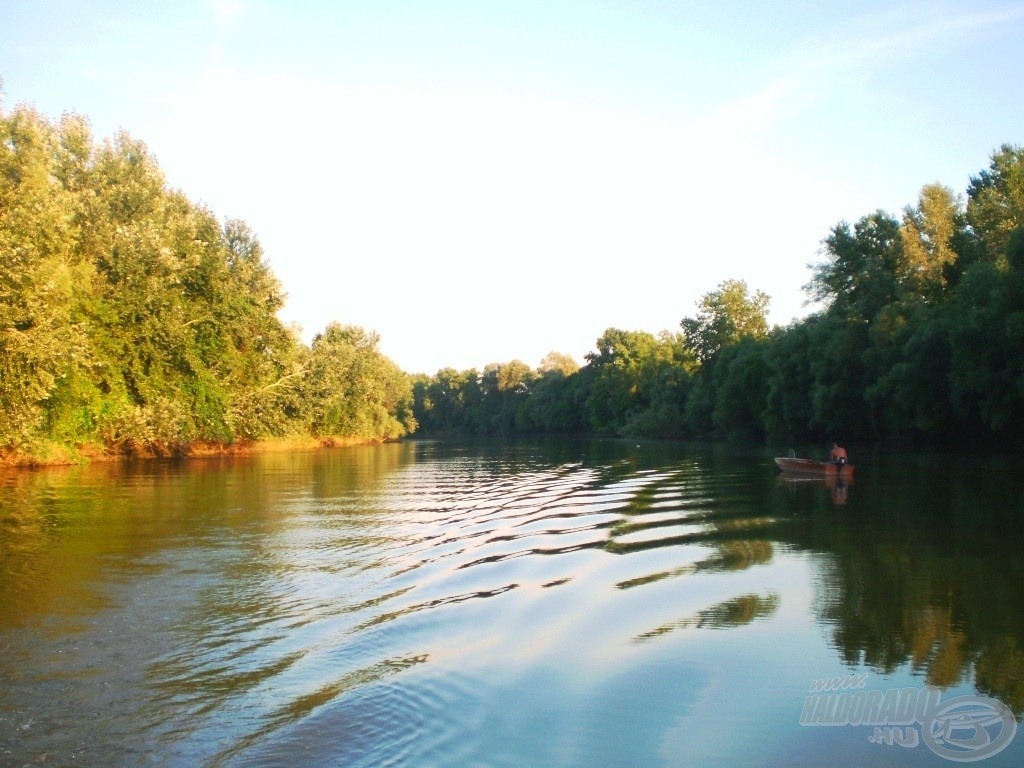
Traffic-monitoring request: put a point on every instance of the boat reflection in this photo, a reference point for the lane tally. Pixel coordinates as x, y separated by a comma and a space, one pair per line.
837, 486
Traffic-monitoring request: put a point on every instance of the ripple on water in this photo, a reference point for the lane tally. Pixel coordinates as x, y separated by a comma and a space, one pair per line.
454, 546
379, 624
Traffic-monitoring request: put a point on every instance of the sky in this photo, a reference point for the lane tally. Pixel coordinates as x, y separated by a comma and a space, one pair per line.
485, 181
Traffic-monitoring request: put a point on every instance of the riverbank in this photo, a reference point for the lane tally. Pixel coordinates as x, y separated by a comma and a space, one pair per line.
57, 454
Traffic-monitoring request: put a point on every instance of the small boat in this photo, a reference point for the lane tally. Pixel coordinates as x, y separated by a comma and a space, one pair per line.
813, 468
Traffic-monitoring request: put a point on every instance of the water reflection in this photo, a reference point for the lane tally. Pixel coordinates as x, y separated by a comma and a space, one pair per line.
61, 528
439, 604
927, 573
737, 612
838, 487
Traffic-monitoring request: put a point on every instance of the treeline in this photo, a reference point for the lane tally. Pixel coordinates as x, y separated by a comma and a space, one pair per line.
131, 319
921, 337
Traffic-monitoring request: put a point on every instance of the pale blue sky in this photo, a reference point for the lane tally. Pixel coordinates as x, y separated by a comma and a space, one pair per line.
482, 181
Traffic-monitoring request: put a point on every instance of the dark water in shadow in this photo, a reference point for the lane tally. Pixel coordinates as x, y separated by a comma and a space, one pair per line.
536, 604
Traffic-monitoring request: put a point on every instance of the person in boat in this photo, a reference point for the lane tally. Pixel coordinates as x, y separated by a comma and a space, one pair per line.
838, 456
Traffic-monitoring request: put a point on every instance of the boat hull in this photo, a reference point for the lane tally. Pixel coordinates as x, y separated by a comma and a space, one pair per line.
813, 468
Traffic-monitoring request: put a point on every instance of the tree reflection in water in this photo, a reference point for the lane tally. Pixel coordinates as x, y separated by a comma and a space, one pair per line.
923, 570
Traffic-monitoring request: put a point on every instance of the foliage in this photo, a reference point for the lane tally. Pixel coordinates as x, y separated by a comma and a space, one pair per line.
130, 317
864, 268
931, 234
351, 389
921, 337
38, 337
726, 316
995, 205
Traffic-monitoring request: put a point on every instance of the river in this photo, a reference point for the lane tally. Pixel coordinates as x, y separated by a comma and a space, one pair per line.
562, 603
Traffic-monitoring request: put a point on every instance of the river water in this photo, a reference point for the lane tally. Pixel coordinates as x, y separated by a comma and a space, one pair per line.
570, 603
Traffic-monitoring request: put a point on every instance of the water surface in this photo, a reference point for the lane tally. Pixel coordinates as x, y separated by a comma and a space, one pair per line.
595, 603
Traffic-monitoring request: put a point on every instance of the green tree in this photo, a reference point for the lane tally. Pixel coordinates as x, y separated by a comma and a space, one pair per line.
995, 202
725, 316
839, 378
449, 399
558, 362
557, 400
131, 317
504, 388
39, 342
740, 372
262, 361
912, 397
629, 376
788, 404
353, 390
660, 413
986, 323
621, 366
865, 268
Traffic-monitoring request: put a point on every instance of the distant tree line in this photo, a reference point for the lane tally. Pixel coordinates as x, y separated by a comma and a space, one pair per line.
133, 320
920, 337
